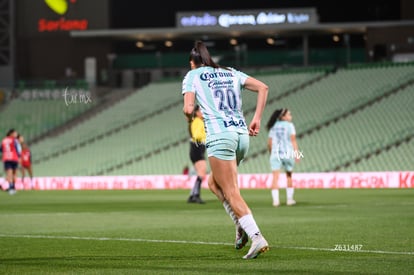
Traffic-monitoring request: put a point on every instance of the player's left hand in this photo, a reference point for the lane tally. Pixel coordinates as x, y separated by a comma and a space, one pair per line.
254, 128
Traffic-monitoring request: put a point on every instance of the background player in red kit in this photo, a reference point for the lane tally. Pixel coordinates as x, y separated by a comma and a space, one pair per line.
11, 157
26, 163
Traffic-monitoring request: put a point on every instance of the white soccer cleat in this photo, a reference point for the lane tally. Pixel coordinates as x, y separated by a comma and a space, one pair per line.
291, 202
276, 204
259, 245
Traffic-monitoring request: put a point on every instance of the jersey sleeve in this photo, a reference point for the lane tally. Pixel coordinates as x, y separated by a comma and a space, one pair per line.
271, 132
242, 76
18, 147
187, 85
292, 129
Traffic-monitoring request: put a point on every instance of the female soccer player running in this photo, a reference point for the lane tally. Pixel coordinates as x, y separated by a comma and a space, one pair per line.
218, 91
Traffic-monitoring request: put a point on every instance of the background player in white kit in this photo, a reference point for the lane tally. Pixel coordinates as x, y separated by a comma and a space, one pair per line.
284, 152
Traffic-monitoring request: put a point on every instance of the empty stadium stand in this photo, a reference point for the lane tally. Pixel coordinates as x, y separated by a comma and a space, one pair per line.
357, 118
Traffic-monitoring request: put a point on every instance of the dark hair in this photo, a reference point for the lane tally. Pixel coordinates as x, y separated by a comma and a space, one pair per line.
10, 132
201, 56
277, 114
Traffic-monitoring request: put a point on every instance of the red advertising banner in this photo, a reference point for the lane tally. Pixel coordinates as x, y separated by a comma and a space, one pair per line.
400, 179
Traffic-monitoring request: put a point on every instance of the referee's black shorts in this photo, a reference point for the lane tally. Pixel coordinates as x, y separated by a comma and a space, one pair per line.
197, 151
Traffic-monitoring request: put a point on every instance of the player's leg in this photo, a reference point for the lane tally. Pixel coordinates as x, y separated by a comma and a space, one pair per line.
241, 236
10, 168
225, 175
198, 160
30, 170
290, 190
212, 185
201, 169
289, 164
259, 243
275, 165
275, 188
9, 175
22, 172
12, 187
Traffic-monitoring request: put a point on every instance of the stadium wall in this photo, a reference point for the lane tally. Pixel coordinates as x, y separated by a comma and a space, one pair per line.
334, 180
44, 47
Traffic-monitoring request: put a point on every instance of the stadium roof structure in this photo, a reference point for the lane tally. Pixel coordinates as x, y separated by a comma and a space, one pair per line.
157, 34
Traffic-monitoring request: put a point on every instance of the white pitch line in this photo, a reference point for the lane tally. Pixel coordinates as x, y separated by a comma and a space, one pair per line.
350, 250
108, 239
195, 242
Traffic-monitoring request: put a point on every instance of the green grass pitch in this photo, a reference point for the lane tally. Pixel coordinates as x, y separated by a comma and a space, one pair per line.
341, 231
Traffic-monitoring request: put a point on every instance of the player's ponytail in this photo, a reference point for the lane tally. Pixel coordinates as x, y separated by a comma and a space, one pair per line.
277, 115
201, 56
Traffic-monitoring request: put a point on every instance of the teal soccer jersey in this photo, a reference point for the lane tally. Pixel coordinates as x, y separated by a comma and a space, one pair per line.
218, 91
280, 134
